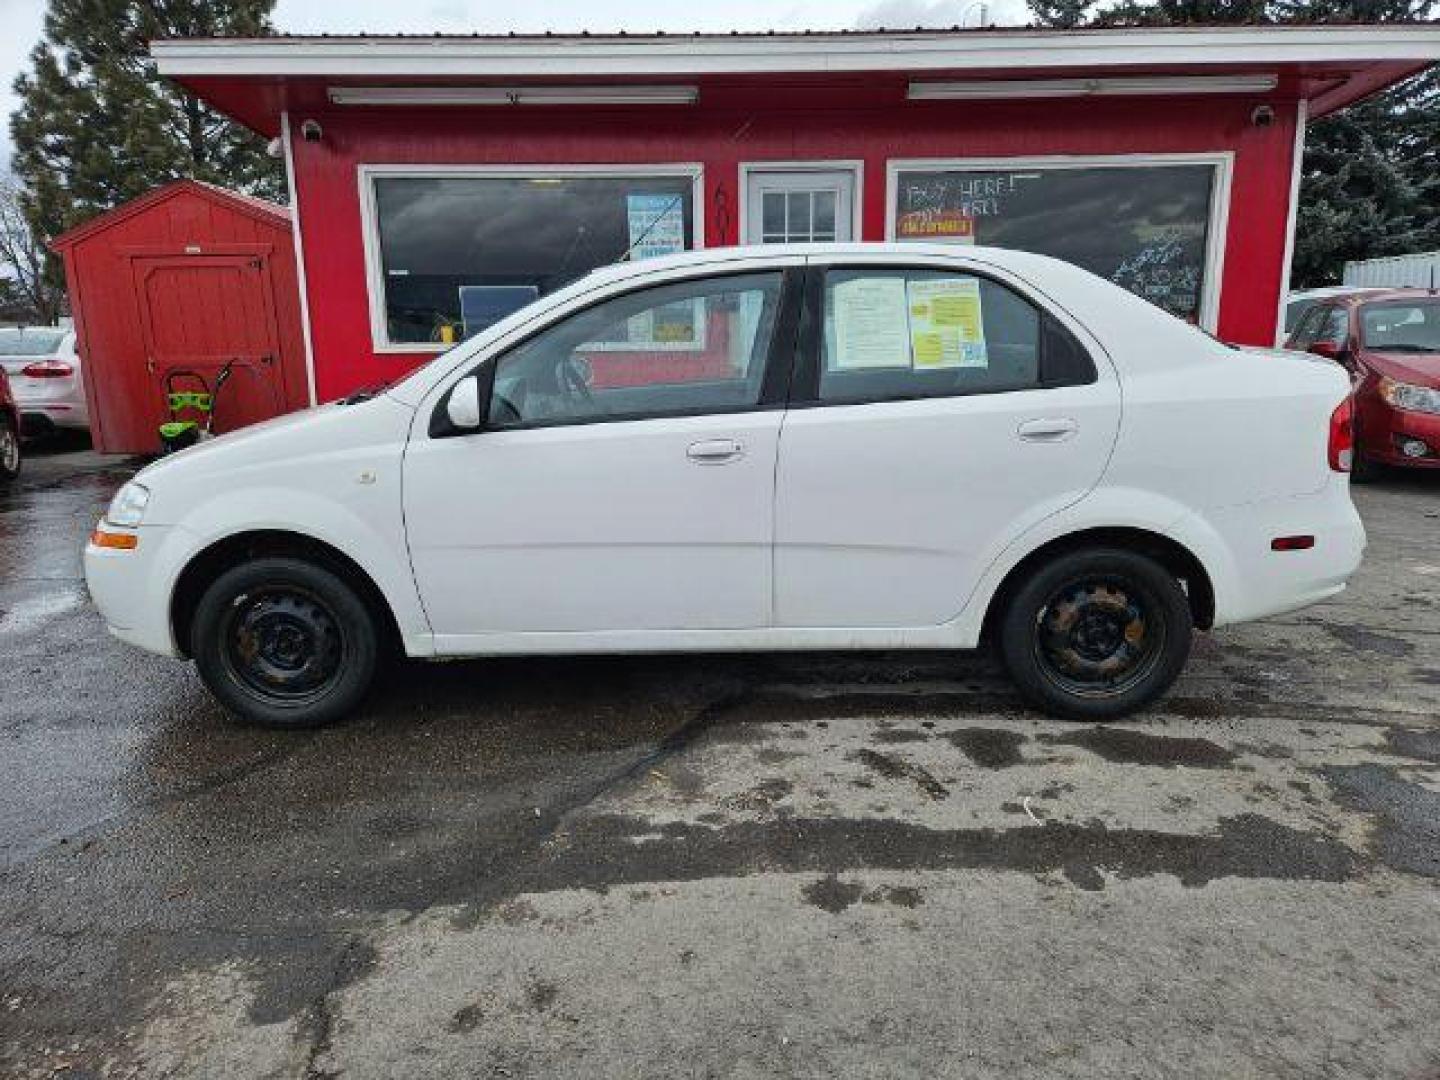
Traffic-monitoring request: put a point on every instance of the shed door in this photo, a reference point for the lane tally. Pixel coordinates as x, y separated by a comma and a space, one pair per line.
199, 313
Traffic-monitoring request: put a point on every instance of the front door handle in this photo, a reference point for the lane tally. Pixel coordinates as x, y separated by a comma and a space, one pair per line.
714, 451
1048, 430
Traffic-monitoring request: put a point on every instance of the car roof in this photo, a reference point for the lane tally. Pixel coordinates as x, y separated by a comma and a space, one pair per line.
828, 250
1382, 295
1330, 292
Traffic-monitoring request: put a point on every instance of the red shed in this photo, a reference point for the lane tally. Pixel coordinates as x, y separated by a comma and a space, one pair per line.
192, 277
438, 182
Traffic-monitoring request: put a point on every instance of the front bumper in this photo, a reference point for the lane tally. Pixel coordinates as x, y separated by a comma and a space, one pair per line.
132, 588
1382, 427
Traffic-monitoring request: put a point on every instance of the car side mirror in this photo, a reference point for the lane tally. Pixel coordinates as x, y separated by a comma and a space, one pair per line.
463, 406
1329, 349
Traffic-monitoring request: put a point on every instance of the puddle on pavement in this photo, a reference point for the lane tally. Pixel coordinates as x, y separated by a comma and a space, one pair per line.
990, 748
1126, 747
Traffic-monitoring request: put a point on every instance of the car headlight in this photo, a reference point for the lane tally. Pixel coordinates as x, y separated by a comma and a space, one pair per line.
1399, 395
128, 506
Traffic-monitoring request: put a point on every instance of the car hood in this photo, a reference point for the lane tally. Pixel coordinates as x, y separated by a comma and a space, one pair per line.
1421, 369
279, 446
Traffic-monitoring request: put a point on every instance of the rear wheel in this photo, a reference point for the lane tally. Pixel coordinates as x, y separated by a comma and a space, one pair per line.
9, 451
285, 643
1096, 634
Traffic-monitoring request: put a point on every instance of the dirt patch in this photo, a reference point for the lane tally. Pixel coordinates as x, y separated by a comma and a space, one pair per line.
900, 735
831, 894
1368, 641
894, 768
1410, 743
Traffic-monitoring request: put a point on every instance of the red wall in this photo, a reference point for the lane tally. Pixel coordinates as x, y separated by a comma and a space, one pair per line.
720, 138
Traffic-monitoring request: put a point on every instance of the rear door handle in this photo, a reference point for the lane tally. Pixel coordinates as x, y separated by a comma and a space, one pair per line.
714, 451
1048, 430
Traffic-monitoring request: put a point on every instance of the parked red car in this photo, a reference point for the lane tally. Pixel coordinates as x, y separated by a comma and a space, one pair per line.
1390, 342
9, 432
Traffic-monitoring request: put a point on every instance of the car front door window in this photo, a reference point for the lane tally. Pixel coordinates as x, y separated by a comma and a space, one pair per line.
682, 349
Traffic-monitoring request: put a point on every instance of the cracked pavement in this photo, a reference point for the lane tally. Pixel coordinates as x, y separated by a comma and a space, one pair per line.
802, 865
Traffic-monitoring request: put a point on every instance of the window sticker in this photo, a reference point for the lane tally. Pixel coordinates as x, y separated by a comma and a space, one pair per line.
657, 225
946, 327
871, 329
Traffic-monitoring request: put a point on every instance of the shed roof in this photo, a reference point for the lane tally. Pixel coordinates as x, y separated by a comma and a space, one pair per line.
249, 205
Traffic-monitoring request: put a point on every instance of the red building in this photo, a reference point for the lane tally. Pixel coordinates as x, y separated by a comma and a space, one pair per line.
188, 277
439, 182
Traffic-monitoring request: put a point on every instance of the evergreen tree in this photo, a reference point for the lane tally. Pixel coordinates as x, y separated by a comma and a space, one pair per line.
1371, 174
96, 126
1061, 14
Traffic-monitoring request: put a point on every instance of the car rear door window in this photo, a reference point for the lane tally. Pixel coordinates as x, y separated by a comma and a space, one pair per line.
692, 347
918, 333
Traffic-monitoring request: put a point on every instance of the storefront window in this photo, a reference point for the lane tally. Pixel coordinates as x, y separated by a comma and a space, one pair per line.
1145, 227
458, 253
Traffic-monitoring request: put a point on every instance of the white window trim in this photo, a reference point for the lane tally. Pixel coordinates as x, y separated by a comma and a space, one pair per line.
1223, 162
293, 188
1287, 265
854, 166
366, 174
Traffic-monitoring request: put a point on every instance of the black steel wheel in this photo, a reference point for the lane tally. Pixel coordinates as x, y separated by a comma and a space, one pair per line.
9, 451
1096, 634
285, 643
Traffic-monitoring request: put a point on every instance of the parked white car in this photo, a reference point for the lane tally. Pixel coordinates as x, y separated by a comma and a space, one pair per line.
46, 377
813, 447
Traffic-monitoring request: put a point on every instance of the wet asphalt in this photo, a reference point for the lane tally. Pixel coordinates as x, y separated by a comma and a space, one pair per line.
823, 865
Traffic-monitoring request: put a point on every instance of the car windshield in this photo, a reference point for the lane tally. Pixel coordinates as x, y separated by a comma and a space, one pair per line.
1402, 326
30, 342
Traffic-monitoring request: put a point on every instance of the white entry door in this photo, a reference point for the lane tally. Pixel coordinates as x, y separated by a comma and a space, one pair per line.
796, 205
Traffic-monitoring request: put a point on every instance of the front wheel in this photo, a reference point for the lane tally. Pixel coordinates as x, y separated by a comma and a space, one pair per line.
1096, 634
9, 452
285, 643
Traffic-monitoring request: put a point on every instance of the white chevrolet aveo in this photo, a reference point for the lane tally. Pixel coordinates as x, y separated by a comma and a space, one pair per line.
819, 447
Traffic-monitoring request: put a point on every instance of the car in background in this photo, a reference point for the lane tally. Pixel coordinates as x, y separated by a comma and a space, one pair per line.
1389, 341
9, 432
979, 446
46, 378
1297, 304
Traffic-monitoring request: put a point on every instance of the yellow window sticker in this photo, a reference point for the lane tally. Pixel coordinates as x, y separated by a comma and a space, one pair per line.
946, 325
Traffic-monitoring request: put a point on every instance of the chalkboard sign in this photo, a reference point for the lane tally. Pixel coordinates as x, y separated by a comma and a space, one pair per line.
1145, 227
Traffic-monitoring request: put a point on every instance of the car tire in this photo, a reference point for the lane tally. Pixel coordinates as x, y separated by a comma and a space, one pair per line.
1363, 470
1095, 634
285, 643
9, 452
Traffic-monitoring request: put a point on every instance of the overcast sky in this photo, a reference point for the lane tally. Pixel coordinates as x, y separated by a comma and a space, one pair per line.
20, 20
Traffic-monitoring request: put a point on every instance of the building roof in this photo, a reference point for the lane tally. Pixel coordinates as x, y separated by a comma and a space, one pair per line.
250, 205
1329, 66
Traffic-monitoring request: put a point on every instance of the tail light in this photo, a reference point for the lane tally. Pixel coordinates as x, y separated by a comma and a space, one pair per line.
48, 369
1342, 436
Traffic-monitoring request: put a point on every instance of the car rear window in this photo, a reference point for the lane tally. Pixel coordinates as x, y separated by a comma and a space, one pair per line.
30, 342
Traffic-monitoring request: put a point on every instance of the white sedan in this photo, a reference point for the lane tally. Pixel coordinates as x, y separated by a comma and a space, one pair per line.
46, 378
817, 447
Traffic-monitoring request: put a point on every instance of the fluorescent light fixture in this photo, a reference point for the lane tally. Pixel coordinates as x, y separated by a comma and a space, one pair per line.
513, 95
1115, 86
